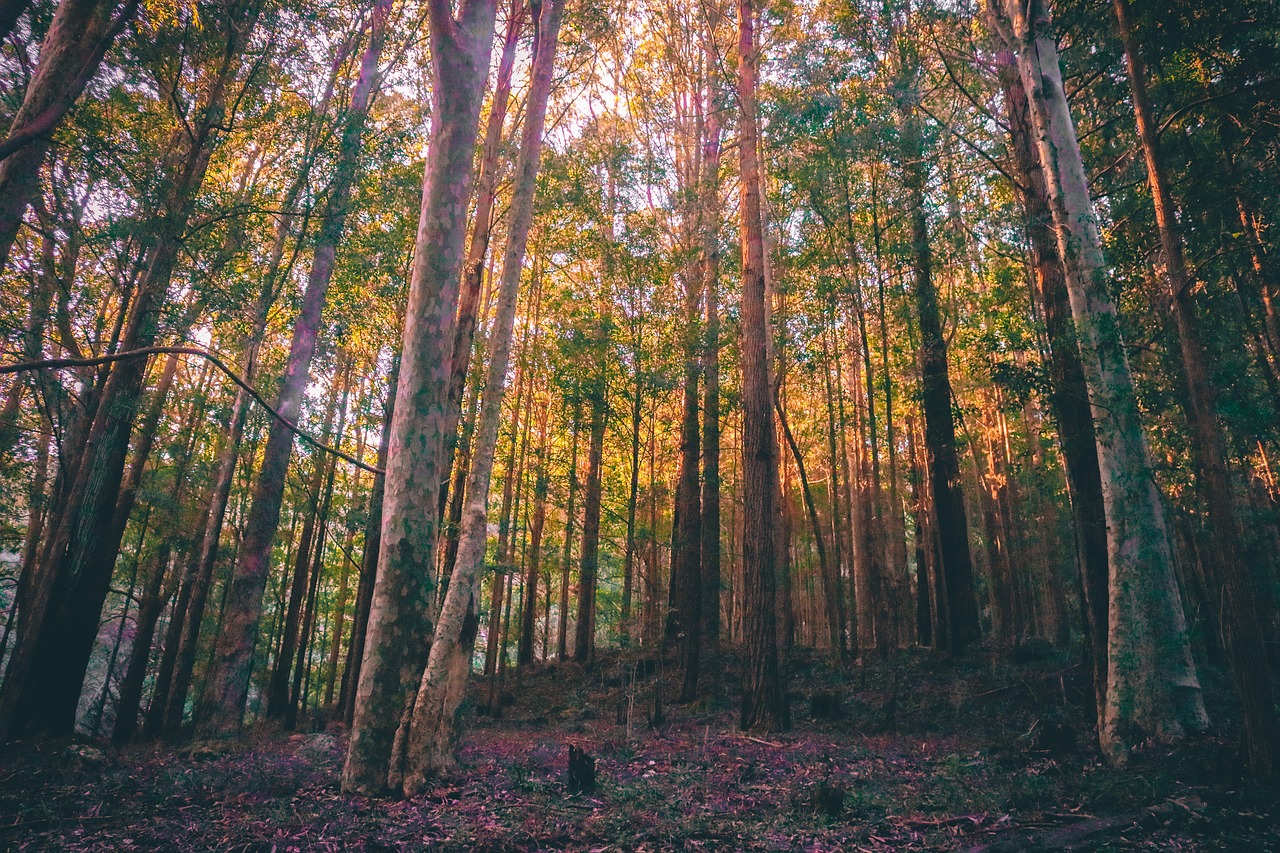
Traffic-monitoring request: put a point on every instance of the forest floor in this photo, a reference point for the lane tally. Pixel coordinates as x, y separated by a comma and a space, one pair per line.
963, 754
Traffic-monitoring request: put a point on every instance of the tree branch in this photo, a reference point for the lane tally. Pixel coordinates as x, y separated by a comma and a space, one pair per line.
59, 363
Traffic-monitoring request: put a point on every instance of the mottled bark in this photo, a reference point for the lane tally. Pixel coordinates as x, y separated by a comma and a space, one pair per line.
396, 647
474, 266
1069, 396
434, 727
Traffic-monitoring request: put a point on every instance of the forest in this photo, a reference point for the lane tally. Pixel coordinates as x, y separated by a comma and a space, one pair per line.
639, 425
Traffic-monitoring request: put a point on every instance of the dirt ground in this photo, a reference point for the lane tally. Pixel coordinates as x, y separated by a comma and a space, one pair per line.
959, 755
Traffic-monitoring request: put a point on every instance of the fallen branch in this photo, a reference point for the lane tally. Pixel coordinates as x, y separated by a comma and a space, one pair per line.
756, 740
1067, 837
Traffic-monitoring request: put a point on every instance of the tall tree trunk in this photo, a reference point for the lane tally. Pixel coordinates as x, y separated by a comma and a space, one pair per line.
233, 653
1069, 395
633, 491
399, 621
1152, 686
588, 562
1241, 622
956, 570
763, 705
566, 557
528, 611
685, 610
711, 385
477, 250
434, 726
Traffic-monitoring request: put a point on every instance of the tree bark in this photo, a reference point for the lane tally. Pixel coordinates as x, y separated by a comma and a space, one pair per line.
1069, 395
399, 622
763, 704
434, 726
1152, 686
477, 250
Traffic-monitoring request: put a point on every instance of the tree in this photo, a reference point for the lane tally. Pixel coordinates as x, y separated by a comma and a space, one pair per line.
763, 705
1152, 686
81, 33
395, 646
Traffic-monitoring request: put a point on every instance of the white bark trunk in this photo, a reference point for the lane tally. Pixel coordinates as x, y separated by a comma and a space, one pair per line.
1152, 686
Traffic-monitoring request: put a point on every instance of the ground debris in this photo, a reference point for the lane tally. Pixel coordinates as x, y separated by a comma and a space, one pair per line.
955, 774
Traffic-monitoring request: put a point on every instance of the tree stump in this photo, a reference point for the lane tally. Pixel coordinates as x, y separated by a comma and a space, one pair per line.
582, 771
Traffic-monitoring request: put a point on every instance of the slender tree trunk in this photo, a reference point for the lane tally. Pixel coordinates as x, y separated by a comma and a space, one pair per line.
233, 654
685, 610
369, 563
278, 687
633, 493
566, 557
302, 666
506, 519
763, 705
588, 563
344, 578
711, 387
940, 439
528, 611
1152, 686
